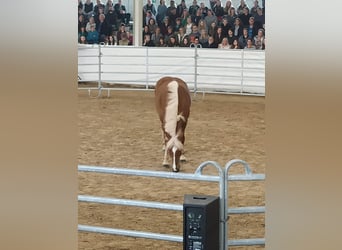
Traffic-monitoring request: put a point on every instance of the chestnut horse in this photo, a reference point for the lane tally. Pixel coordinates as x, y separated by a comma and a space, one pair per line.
172, 99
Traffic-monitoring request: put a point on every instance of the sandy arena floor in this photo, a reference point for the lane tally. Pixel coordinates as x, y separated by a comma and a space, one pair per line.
124, 131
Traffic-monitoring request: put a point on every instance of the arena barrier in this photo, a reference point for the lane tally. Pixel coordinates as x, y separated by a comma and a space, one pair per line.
223, 178
204, 70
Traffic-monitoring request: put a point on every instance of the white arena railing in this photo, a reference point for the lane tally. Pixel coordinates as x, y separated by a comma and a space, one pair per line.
204, 70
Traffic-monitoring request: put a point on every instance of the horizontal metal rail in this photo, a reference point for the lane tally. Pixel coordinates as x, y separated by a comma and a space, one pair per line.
246, 242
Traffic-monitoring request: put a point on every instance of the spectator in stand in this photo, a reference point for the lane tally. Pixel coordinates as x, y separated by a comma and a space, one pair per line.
196, 43
253, 11
249, 45
149, 16
204, 10
194, 33
103, 28
88, 9
161, 12
172, 12
185, 42
97, 16
80, 5
212, 29
156, 36
152, 25
230, 36
82, 40
232, 16
146, 31
203, 39
169, 33
111, 18
129, 37
237, 28
98, 5
259, 19
121, 30
227, 7
210, 18
178, 24
121, 12
180, 35
224, 44
81, 22
180, 8
198, 17
164, 25
185, 17
193, 8
212, 3
202, 25
149, 7
218, 36
188, 26
111, 40
225, 26
252, 28
108, 5
161, 42
259, 40
124, 39
93, 36
82, 32
211, 43
240, 8
91, 23
172, 42
218, 11
235, 44
243, 38
244, 17
147, 41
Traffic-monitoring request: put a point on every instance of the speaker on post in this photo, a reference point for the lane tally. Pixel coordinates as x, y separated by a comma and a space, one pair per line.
201, 222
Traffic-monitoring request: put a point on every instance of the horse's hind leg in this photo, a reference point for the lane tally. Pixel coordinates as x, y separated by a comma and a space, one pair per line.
165, 162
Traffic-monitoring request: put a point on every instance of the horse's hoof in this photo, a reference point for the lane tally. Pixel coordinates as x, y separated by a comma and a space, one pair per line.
182, 158
166, 165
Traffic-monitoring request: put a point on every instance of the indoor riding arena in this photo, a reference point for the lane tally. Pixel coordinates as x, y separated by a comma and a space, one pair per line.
123, 131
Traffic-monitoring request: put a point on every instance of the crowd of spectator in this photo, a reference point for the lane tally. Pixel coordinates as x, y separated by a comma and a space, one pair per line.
214, 26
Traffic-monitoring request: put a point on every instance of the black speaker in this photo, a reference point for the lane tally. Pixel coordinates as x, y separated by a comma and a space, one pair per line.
201, 222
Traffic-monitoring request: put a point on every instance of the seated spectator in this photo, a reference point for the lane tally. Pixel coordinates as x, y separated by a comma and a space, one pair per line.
184, 17
252, 28
204, 10
156, 36
147, 41
218, 11
193, 8
111, 18
232, 16
161, 12
210, 44
259, 39
185, 42
123, 40
111, 40
180, 8
253, 11
259, 19
180, 35
210, 18
82, 40
81, 22
240, 8
250, 45
203, 37
149, 16
82, 32
88, 8
161, 42
93, 36
163, 27
194, 33
243, 38
121, 12
172, 12
188, 26
227, 7
235, 44
103, 28
202, 25
97, 17
108, 5
146, 31
238, 28
178, 24
212, 29
169, 33
121, 30
225, 26
244, 17
149, 6
91, 23
196, 19
152, 25
172, 42
196, 43
224, 44
80, 5
231, 37
218, 35
98, 5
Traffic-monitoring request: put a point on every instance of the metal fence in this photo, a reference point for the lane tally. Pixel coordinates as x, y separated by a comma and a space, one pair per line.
204, 70
223, 178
